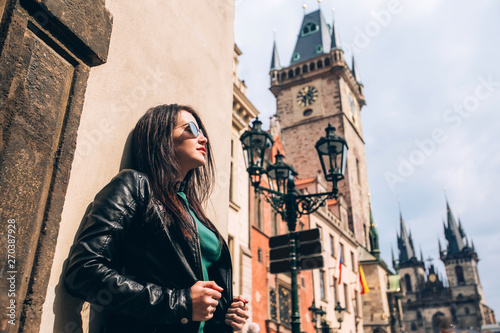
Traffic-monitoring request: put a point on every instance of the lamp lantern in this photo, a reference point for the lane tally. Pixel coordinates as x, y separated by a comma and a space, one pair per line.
339, 312
332, 152
257, 146
280, 173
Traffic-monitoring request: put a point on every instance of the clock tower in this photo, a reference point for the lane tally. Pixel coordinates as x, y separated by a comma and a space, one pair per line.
318, 88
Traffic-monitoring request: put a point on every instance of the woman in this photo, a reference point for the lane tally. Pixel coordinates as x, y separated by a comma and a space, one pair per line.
147, 252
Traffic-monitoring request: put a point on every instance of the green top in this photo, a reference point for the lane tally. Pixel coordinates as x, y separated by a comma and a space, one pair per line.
209, 245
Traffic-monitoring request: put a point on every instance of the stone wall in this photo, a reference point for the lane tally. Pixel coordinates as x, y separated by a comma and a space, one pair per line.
65, 137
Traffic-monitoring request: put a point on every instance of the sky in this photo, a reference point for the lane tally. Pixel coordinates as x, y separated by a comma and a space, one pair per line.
431, 76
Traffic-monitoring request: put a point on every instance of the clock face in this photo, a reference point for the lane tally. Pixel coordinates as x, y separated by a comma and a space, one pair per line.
307, 96
432, 277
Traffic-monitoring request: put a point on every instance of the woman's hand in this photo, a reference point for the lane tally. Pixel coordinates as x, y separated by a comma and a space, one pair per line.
237, 315
205, 297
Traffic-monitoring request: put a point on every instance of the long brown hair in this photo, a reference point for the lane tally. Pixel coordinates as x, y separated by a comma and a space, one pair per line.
153, 146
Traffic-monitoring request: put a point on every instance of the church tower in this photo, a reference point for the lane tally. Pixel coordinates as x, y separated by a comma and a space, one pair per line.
460, 260
411, 269
318, 88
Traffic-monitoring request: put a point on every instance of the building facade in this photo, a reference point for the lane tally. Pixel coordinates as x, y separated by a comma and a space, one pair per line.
239, 190
455, 297
76, 77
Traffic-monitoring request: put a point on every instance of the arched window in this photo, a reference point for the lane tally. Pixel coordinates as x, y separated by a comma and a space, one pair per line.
320, 64
408, 282
327, 62
304, 69
312, 66
460, 274
283, 76
309, 28
467, 311
297, 71
290, 73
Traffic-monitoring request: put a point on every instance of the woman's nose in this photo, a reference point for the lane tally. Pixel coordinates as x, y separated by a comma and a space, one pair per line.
202, 139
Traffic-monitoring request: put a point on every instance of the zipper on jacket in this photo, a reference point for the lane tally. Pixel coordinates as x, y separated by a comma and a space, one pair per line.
200, 261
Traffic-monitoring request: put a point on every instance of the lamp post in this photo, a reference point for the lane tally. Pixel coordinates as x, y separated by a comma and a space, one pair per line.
282, 194
317, 312
339, 312
325, 328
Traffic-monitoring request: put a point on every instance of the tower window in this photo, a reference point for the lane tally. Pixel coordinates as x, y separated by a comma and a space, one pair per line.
467, 311
319, 49
460, 274
307, 112
309, 28
283, 76
408, 282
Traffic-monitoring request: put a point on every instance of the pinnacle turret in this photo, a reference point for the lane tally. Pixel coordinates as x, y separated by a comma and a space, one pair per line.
275, 60
355, 71
335, 44
453, 233
405, 243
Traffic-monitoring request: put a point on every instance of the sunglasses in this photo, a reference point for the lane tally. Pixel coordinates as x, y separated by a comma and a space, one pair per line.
193, 129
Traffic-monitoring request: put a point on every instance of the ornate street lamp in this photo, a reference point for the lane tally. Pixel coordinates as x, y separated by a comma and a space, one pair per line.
317, 312
282, 194
280, 173
339, 312
257, 145
332, 152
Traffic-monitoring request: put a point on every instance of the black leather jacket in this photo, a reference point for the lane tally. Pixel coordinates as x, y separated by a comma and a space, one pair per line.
125, 261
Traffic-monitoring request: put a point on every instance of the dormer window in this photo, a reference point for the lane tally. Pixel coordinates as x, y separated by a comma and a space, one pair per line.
319, 49
309, 28
296, 56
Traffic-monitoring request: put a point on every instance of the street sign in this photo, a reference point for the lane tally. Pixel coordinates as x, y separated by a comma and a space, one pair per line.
308, 249
279, 253
308, 235
311, 262
281, 240
282, 266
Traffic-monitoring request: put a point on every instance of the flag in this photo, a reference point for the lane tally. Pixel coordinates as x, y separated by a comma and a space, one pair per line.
362, 281
341, 261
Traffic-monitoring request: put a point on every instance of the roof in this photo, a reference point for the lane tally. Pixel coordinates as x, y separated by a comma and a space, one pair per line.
314, 38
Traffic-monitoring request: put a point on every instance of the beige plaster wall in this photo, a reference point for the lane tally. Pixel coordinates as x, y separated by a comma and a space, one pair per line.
160, 52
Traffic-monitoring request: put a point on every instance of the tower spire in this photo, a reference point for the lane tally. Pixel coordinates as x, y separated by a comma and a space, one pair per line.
406, 251
355, 70
452, 233
275, 60
335, 44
